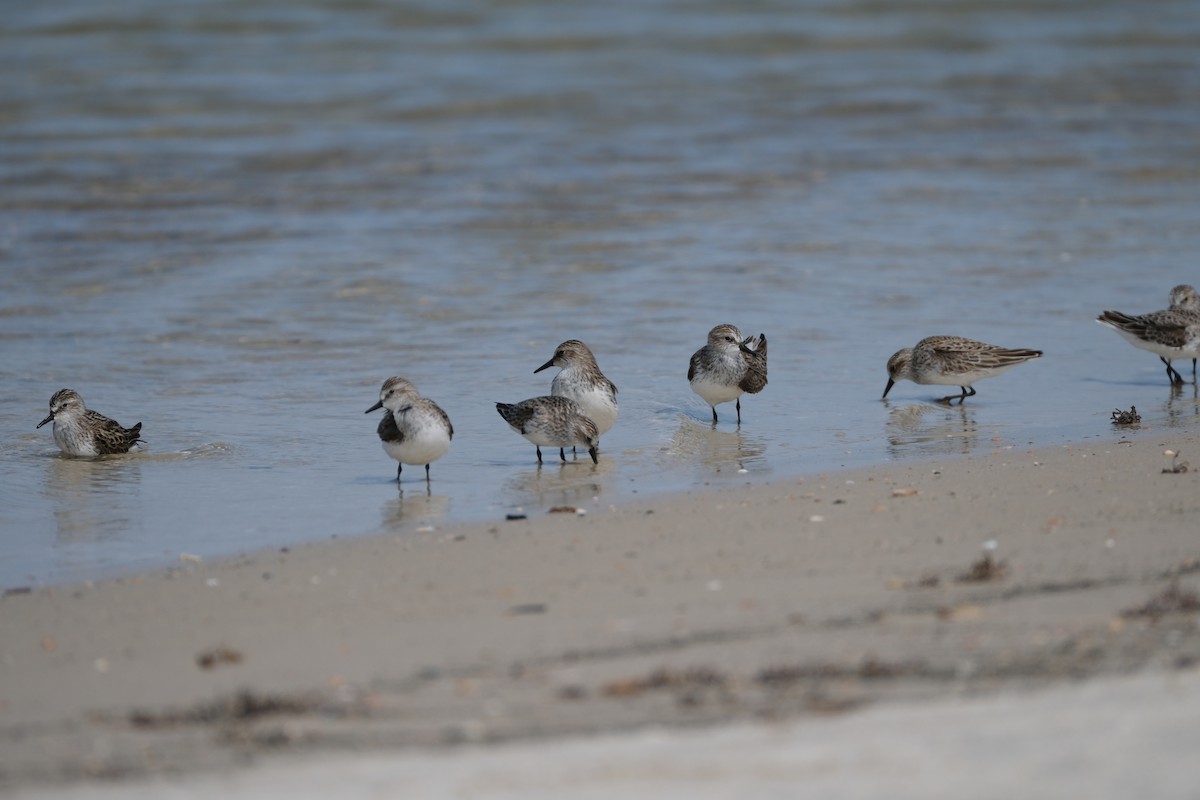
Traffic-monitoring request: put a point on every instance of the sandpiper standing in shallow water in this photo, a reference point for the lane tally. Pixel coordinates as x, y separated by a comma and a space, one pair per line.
1184, 297
80, 432
728, 366
581, 380
952, 361
550, 421
414, 429
1169, 334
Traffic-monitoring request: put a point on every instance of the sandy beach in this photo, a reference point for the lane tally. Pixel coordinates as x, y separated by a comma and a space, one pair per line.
1016, 579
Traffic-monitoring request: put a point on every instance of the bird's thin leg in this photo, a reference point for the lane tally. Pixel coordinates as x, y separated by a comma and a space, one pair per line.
738, 405
427, 473
562, 454
539, 452
1172, 374
714, 410
399, 468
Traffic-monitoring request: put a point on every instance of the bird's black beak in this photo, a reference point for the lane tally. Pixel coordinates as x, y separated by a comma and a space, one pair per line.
375, 407
548, 364
47, 419
891, 383
592, 453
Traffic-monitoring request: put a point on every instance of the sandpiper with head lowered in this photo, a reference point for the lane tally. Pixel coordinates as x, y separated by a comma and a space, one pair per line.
727, 367
581, 380
81, 432
952, 361
1169, 334
550, 421
414, 429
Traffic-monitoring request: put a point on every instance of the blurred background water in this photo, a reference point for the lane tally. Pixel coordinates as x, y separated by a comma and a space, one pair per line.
231, 221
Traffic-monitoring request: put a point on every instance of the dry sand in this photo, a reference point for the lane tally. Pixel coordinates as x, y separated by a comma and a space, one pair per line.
962, 584
1104, 739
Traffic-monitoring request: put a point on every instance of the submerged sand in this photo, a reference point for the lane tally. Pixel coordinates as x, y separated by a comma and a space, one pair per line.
804, 602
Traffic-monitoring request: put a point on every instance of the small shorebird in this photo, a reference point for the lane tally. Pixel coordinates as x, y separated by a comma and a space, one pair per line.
1184, 297
414, 429
1169, 334
728, 366
550, 421
581, 380
952, 361
80, 432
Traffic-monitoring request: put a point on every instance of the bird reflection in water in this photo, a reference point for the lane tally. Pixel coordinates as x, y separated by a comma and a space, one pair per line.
715, 448
922, 429
414, 508
1183, 405
94, 499
578, 482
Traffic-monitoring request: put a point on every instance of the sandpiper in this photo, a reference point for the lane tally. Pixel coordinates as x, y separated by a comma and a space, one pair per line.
414, 429
1169, 334
1185, 298
550, 421
581, 380
728, 366
952, 361
80, 432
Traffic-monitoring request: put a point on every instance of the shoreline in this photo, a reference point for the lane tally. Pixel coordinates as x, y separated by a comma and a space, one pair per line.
803, 599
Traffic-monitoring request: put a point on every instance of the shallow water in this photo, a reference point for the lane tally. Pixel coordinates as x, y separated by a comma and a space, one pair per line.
233, 221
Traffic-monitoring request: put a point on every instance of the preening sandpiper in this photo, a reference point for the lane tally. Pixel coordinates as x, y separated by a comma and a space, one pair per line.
952, 361
1169, 334
727, 367
414, 429
80, 432
550, 421
581, 380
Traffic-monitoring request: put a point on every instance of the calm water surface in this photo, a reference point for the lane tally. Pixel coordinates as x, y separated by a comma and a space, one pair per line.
231, 221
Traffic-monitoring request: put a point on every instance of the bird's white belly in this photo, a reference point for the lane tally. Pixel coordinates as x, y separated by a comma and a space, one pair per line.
715, 392
421, 447
1158, 348
962, 378
598, 406
74, 445
549, 437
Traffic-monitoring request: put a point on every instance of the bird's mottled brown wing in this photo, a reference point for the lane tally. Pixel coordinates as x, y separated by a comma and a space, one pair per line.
388, 430
959, 354
1169, 328
111, 436
756, 367
445, 417
694, 364
515, 414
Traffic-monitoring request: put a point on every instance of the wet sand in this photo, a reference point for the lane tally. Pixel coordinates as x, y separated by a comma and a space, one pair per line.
963, 583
